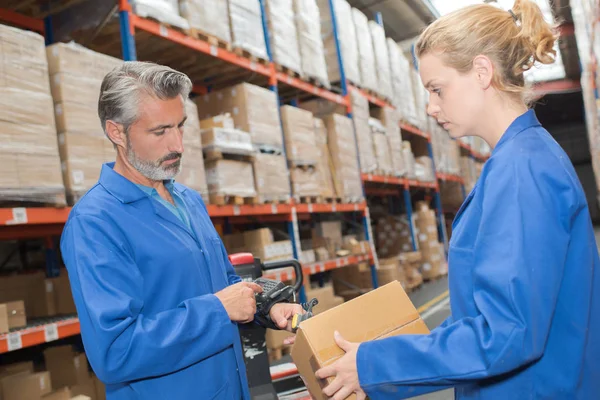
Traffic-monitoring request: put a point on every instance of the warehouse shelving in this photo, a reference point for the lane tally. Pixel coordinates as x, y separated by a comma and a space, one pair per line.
287, 274
42, 331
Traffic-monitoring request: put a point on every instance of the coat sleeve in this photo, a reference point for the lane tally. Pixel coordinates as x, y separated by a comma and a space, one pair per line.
517, 262
122, 342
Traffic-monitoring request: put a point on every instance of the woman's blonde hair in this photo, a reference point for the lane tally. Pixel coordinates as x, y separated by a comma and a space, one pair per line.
514, 40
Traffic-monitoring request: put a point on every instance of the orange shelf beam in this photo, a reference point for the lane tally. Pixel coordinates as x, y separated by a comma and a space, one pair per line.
329, 207
372, 99
414, 131
198, 45
450, 178
286, 274
247, 210
40, 334
33, 216
310, 88
423, 185
391, 180
22, 21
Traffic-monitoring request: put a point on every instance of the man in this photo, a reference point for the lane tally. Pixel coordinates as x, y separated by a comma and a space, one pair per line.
158, 300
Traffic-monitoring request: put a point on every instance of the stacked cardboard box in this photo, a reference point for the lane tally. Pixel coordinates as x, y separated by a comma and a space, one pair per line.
390, 270
342, 148
427, 236
364, 139
347, 40
271, 178
12, 315
312, 53
328, 234
253, 109
409, 160
192, 167
410, 262
382, 60
76, 74
391, 120
393, 236
69, 369
446, 151
352, 281
229, 178
283, 35
207, 17
420, 100
162, 10
29, 152
324, 164
260, 243
424, 169
382, 148
25, 385
245, 19
452, 195
366, 57
299, 132
405, 99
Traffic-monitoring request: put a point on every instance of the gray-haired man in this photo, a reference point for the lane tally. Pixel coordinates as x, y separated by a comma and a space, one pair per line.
157, 298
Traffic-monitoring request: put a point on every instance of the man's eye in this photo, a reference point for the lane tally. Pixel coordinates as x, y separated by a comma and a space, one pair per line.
159, 133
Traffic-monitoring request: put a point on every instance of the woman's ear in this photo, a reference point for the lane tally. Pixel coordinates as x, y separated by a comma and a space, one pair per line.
484, 70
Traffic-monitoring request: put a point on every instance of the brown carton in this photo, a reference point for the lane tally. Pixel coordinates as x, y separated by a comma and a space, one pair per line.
218, 121
271, 177
75, 88
324, 164
60, 394
331, 230
305, 182
360, 114
100, 389
253, 109
390, 118
299, 131
230, 178
75, 59
192, 173
13, 313
3, 319
32, 289
207, 16
315, 346
26, 386
66, 367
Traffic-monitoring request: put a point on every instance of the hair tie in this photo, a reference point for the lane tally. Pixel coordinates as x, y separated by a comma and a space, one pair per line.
513, 15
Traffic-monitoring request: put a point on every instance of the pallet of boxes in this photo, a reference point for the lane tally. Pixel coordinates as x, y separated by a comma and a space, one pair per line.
434, 259
243, 120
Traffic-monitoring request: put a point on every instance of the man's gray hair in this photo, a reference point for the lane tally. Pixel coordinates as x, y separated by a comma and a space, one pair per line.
123, 87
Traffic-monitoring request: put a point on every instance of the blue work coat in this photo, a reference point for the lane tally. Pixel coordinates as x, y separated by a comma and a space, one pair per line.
524, 288
143, 285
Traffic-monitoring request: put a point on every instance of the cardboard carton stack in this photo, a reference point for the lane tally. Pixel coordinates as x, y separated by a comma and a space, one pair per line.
69, 369
324, 163
206, 18
315, 346
393, 236
283, 35
424, 169
352, 281
366, 57
409, 160
192, 172
229, 178
162, 10
12, 315
346, 175
468, 171
271, 178
382, 60
328, 234
260, 243
451, 194
427, 235
410, 262
420, 101
25, 384
76, 74
382, 148
446, 151
28, 148
364, 139
245, 21
390, 270
405, 98
300, 144
312, 53
347, 40
390, 118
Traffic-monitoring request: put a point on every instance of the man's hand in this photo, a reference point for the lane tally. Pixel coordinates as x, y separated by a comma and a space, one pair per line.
282, 313
345, 372
239, 302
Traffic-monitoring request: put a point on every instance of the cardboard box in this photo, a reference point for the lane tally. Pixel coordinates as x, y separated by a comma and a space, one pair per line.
60, 394
305, 182
253, 109
275, 338
100, 388
245, 21
258, 237
16, 368
13, 313
32, 289
67, 368
322, 254
390, 118
356, 247
207, 16
77, 89
283, 36
360, 116
227, 141
324, 164
309, 41
299, 131
352, 278
271, 178
230, 178
26, 386
366, 58
63, 297
192, 172
383, 154
315, 347
3, 319
76, 60
389, 270
307, 256
218, 121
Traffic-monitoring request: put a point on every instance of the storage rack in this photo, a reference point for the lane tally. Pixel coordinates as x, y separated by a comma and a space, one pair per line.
47, 222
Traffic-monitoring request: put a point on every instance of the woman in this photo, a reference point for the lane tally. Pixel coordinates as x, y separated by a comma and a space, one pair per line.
524, 284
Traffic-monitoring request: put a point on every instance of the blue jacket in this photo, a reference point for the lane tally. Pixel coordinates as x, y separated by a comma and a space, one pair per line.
143, 285
524, 288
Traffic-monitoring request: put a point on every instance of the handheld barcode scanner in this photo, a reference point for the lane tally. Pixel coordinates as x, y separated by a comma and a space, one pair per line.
253, 335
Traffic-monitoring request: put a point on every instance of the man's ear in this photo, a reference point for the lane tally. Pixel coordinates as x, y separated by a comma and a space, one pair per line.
484, 70
116, 133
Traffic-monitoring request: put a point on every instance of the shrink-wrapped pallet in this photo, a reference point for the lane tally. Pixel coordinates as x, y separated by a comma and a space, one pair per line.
409, 160
405, 102
382, 60
299, 133
346, 174
166, 11
366, 57
192, 172
245, 20
312, 53
347, 41
381, 146
207, 17
305, 182
360, 115
283, 36
272, 179
76, 74
389, 117
324, 166
229, 178
31, 170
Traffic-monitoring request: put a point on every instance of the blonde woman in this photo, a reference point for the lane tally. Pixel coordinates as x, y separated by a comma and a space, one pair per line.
524, 279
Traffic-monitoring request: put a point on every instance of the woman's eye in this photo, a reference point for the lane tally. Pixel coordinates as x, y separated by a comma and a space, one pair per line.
437, 91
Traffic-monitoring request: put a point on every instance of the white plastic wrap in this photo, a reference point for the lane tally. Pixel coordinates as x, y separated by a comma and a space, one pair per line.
360, 115
381, 146
312, 53
192, 173
409, 160
366, 57
283, 36
299, 131
420, 96
230, 178
405, 97
272, 178
166, 11
305, 182
382, 60
324, 165
227, 141
424, 169
247, 32
347, 41
391, 120
207, 16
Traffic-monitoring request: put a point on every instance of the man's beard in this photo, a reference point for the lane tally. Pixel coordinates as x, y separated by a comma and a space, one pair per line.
154, 170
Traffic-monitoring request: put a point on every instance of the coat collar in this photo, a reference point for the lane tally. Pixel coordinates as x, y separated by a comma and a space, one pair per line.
122, 188
526, 120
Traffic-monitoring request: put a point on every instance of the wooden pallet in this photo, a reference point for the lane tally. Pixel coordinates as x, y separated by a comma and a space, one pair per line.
212, 40
332, 200
352, 200
32, 197
309, 199
246, 54
222, 200
268, 149
167, 25
302, 164
218, 154
317, 82
281, 199
287, 71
